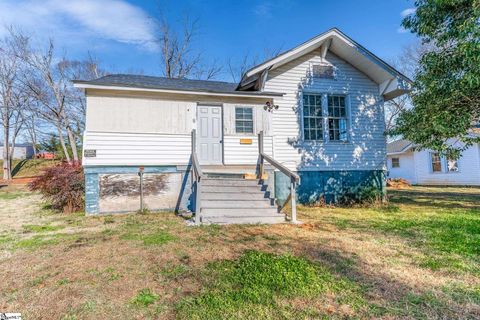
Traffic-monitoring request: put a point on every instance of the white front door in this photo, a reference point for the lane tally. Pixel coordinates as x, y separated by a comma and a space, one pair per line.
210, 135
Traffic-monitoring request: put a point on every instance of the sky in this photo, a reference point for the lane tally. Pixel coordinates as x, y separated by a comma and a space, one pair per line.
121, 33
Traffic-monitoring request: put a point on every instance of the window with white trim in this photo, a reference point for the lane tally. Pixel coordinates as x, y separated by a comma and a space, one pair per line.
312, 117
395, 162
436, 161
452, 165
337, 118
320, 110
244, 120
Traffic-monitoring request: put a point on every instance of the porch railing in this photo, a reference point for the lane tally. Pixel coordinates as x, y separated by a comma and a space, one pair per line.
294, 178
197, 176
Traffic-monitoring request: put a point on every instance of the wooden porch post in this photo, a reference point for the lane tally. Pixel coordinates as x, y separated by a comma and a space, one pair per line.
260, 152
293, 199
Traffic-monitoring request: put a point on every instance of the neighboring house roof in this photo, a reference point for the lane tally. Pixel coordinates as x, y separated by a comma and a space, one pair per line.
392, 82
399, 146
168, 84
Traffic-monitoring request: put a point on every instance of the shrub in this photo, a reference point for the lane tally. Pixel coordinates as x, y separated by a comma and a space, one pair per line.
63, 186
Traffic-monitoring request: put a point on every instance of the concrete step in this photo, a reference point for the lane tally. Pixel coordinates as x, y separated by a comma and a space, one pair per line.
243, 220
234, 203
229, 182
235, 195
239, 211
234, 189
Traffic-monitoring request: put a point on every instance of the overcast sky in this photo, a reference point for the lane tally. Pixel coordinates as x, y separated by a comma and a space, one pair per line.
121, 33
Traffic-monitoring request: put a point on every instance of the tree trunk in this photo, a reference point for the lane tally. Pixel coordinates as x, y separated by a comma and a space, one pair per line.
73, 144
62, 143
7, 169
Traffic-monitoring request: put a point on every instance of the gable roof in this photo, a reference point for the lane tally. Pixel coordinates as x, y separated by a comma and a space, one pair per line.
399, 146
392, 82
151, 83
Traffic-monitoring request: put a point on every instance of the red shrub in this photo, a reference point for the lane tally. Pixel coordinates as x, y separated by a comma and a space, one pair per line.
63, 185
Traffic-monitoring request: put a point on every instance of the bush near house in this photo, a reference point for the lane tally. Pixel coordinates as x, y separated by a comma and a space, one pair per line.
63, 185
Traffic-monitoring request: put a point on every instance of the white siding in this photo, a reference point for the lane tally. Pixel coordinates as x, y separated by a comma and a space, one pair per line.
236, 153
155, 130
139, 114
406, 169
137, 149
468, 174
366, 148
262, 120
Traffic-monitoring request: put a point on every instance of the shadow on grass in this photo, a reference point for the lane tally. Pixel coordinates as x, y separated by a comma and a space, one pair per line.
18, 167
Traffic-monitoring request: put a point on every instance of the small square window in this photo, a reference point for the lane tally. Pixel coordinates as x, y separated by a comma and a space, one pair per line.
244, 120
395, 162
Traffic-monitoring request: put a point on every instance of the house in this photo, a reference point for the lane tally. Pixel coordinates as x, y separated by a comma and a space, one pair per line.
426, 167
307, 125
21, 151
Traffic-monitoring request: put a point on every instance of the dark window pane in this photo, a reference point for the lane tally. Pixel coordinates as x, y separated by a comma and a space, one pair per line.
307, 134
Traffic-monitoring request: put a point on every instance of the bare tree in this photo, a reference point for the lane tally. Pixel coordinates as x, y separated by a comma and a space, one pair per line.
237, 69
179, 58
407, 63
12, 99
48, 79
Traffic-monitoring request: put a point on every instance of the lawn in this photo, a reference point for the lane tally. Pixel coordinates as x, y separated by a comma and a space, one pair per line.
30, 167
417, 257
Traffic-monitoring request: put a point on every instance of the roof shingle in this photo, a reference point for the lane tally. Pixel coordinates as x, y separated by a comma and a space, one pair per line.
151, 82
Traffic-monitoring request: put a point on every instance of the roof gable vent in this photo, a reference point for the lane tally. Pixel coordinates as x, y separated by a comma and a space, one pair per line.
324, 71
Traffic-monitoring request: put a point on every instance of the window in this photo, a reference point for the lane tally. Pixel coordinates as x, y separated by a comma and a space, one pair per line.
243, 120
395, 162
337, 118
452, 165
436, 162
312, 117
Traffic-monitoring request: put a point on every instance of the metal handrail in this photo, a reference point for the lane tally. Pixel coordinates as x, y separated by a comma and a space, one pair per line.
294, 178
198, 174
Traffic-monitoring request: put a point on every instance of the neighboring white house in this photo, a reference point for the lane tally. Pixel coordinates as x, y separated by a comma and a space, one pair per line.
21, 151
318, 105
425, 167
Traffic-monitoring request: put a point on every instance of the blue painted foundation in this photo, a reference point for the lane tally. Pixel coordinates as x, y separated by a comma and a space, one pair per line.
92, 189
330, 186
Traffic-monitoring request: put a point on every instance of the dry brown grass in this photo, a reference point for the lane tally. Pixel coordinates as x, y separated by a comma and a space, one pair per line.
93, 267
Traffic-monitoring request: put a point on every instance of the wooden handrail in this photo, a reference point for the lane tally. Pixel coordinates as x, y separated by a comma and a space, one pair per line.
281, 168
294, 178
197, 172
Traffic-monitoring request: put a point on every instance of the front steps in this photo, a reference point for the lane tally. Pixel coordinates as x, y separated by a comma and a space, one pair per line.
230, 199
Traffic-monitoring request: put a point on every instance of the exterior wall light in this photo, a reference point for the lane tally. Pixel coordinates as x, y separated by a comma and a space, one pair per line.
270, 106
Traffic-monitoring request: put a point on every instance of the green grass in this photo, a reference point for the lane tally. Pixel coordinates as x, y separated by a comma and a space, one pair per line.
40, 241
40, 228
444, 229
149, 235
12, 195
255, 285
144, 298
30, 167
